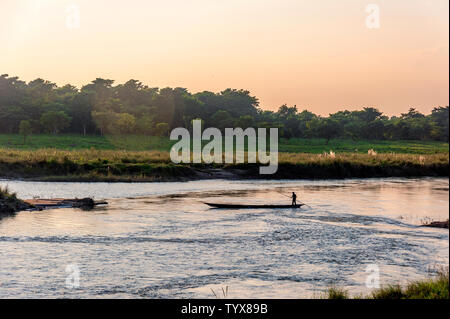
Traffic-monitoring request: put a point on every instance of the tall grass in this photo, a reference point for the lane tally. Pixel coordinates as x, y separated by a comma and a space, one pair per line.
430, 288
337, 293
365, 159
9, 203
123, 156
82, 156
436, 287
6, 194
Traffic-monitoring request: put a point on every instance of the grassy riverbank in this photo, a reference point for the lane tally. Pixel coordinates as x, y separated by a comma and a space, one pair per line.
146, 158
430, 288
115, 165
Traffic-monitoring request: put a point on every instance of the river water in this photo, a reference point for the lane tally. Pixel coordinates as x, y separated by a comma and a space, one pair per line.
159, 240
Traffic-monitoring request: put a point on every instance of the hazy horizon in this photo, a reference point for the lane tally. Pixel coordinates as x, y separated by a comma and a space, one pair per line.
318, 56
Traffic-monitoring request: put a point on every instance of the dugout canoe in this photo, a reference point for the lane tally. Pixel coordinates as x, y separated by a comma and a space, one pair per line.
240, 206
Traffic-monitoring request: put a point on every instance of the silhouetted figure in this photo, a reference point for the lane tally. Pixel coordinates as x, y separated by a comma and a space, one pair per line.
294, 199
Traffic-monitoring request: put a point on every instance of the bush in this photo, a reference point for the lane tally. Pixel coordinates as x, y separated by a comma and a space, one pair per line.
9, 203
431, 288
337, 293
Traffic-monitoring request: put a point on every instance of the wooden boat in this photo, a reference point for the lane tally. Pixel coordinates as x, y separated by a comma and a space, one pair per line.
238, 206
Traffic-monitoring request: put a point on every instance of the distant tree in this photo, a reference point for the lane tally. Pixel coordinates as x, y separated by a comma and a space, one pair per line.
55, 121
103, 107
25, 129
290, 119
124, 123
245, 121
41, 91
222, 119
440, 123
135, 97
353, 129
12, 90
373, 130
238, 102
193, 108
328, 129
285, 111
80, 110
211, 103
162, 129
369, 114
144, 124
102, 120
412, 114
67, 90
10, 117
100, 92
306, 116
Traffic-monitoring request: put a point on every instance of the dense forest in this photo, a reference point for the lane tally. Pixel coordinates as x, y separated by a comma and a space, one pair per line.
132, 108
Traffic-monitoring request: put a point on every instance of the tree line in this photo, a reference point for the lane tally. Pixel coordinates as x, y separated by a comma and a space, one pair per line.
101, 107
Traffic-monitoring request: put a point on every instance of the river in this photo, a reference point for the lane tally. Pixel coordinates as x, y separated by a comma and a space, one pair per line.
159, 240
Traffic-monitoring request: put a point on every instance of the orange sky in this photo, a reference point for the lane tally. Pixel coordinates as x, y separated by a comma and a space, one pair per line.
316, 54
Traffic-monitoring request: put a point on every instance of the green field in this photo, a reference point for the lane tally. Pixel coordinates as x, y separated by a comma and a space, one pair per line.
77, 142
149, 143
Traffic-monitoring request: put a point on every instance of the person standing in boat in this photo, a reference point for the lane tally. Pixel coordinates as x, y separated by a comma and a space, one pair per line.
294, 199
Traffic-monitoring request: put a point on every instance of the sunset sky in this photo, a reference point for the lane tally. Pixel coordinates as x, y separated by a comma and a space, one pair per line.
319, 55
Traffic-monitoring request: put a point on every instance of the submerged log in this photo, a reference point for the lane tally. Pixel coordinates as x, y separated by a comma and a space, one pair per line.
85, 203
437, 224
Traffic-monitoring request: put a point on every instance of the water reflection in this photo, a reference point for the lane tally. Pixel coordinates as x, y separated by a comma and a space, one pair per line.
160, 240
